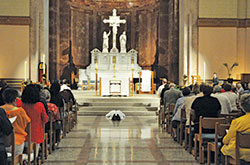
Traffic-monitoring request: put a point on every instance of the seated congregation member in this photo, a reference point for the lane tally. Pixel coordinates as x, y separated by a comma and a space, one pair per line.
241, 124
226, 106
231, 96
163, 81
56, 97
206, 106
68, 96
55, 114
239, 89
171, 96
188, 101
166, 87
248, 89
36, 111
3, 86
9, 97
177, 109
5, 130
64, 85
42, 99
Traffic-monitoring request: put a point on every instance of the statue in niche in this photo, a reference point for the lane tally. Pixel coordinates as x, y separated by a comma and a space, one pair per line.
105, 44
123, 40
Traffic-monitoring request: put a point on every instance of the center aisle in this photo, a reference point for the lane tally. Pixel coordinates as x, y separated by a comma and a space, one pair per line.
135, 140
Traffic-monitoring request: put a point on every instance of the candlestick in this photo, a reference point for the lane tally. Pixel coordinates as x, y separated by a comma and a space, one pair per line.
204, 70
44, 64
25, 70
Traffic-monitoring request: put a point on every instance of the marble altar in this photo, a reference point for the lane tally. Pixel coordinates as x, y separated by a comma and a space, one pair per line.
114, 63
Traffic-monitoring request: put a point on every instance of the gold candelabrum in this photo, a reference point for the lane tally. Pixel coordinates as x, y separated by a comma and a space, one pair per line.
96, 75
132, 69
114, 62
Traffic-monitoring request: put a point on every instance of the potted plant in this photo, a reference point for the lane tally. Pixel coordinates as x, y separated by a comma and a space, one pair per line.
229, 71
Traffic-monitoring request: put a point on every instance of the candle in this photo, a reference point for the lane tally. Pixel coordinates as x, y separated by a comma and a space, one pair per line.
25, 70
44, 64
204, 74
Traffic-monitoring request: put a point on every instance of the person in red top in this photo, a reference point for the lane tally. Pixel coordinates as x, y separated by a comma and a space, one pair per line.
36, 111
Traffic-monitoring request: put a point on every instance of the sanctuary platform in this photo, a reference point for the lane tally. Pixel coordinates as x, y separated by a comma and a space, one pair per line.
136, 105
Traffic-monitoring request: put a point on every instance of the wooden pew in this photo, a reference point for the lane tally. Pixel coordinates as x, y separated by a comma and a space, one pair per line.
31, 146
242, 141
169, 117
10, 142
220, 131
206, 123
44, 149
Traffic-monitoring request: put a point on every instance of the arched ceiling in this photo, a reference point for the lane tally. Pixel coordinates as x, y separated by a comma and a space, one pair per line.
119, 4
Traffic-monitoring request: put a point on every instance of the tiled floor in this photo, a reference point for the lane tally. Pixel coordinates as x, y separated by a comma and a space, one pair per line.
135, 140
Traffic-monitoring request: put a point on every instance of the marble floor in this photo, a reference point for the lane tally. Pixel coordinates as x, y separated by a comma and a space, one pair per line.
135, 140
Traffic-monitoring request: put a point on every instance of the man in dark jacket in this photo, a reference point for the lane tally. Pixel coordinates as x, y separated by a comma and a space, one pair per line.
5, 130
205, 106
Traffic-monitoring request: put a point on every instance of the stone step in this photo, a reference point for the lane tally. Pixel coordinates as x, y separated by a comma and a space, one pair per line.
122, 108
127, 113
91, 104
118, 100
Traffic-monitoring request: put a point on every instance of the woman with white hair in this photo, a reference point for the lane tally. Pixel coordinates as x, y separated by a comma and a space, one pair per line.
241, 124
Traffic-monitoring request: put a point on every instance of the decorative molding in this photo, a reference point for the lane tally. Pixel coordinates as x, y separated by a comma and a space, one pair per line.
223, 22
14, 20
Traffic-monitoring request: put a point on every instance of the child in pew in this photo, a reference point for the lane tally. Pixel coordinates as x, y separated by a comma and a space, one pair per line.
9, 97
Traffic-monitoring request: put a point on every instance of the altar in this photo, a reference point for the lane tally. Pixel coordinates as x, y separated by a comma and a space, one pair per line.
109, 65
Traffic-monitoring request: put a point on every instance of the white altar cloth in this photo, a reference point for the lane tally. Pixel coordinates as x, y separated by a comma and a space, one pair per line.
106, 88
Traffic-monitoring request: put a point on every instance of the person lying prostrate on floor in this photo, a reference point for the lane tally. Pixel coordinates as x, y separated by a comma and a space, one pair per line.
9, 97
206, 106
241, 124
36, 111
5, 130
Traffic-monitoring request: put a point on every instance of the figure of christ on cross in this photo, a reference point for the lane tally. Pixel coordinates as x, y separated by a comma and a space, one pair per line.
114, 21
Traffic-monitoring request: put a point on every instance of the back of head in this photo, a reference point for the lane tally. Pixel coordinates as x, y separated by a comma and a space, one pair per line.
2, 83
186, 91
202, 87
245, 102
196, 89
164, 81
171, 85
207, 90
227, 87
55, 88
64, 81
31, 94
10, 95
217, 89
45, 94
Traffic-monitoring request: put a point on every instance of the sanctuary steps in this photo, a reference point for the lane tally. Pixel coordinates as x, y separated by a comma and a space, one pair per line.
137, 105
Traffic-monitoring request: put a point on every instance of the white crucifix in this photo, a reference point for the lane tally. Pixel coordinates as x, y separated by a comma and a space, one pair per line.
114, 21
